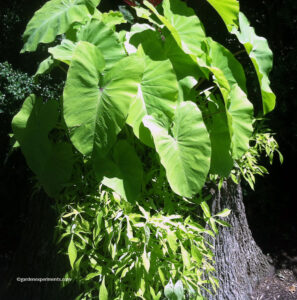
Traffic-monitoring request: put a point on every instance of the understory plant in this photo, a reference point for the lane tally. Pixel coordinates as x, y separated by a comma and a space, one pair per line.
148, 116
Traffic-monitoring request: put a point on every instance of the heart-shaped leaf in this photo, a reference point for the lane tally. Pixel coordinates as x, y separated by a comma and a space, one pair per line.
103, 103
184, 148
51, 162
52, 19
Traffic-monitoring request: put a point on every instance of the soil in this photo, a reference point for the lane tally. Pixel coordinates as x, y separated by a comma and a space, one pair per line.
283, 284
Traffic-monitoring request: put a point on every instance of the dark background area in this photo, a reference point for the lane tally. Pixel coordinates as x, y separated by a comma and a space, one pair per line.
271, 208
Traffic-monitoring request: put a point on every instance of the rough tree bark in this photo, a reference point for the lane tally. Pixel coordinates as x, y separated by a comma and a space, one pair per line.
240, 263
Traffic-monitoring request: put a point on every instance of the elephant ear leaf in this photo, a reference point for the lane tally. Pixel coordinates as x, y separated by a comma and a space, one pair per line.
183, 24
63, 52
230, 129
51, 162
93, 3
180, 46
184, 148
217, 124
102, 103
55, 18
230, 79
122, 171
228, 10
46, 66
240, 117
261, 56
161, 99
100, 35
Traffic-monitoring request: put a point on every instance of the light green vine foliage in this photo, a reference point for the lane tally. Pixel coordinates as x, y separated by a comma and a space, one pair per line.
145, 117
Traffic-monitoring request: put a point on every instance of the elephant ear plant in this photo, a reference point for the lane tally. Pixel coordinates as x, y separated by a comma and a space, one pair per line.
146, 118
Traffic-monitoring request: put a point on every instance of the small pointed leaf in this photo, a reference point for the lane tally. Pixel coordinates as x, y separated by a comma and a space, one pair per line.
103, 293
185, 256
145, 261
224, 213
72, 252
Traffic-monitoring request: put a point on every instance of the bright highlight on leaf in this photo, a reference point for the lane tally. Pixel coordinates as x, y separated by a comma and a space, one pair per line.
228, 10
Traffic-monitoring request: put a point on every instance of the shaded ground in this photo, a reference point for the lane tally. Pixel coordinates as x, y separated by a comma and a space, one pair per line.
282, 286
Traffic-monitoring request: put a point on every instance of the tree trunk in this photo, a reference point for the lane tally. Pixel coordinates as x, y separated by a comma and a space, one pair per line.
240, 263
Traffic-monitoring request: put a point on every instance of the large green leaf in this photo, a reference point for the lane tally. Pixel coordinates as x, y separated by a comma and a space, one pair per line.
113, 18
220, 137
261, 57
157, 95
184, 20
223, 59
184, 148
184, 65
186, 89
51, 162
63, 52
95, 108
148, 38
230, 128
240, 117
228, 10
54, 18
186, 37
156, 49
121, 172
99, 34
230, 78
92, 3
45, 66
183, 24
